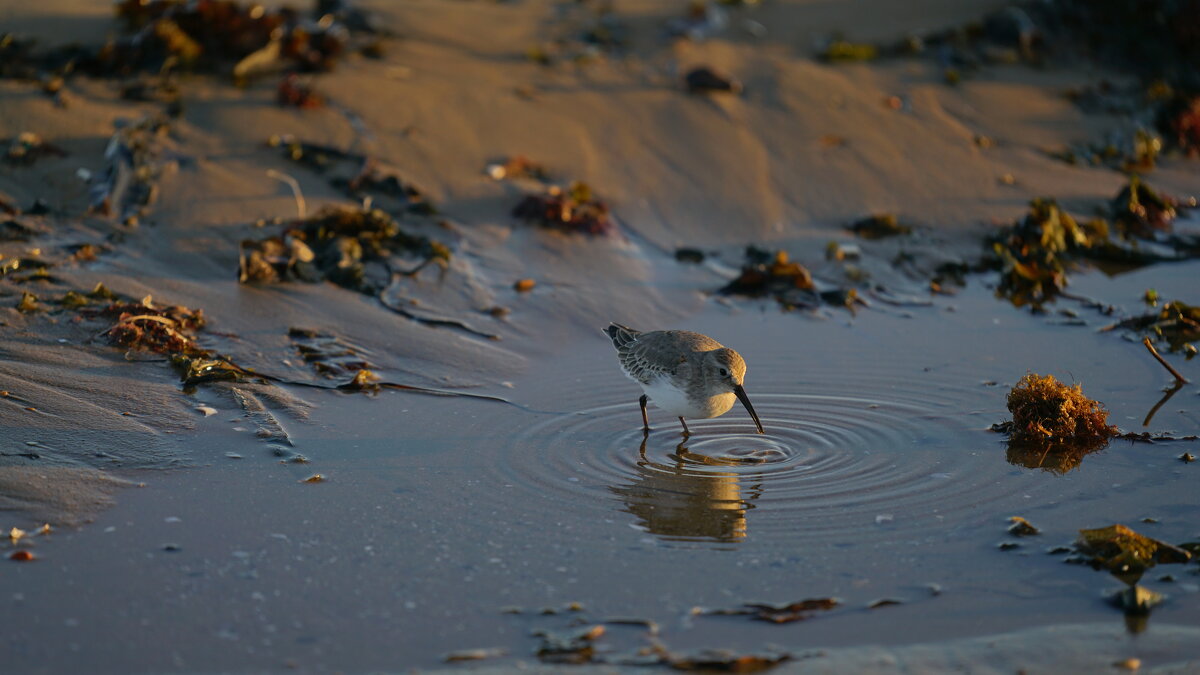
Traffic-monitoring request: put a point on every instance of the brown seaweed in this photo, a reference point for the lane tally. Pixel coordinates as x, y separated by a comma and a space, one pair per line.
785, 613
28, 148
1176, 324
1036, 252
880, 226
574, 210
351, 247
1045, 411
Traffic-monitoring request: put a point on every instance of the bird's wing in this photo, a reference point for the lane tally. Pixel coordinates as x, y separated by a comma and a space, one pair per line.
644, 362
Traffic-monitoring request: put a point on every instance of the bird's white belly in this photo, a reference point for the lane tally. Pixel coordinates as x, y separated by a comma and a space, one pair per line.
676, 402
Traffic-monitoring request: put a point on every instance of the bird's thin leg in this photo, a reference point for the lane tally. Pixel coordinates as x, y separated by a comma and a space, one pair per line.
686, 432
645, 418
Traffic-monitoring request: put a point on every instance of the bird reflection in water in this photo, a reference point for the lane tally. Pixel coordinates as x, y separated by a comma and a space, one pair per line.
684, 500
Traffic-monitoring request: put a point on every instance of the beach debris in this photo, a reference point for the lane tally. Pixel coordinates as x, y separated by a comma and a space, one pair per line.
880, 226
1182, 122
1187, 458
785, 613
1047, 412
329, 355
884, 602
689, 255
1021, 527
1008, 545
1175, 323
28, 303
364, 380
169, 330
144, 326
572, 646
475, 654
1126, 150
845, 51
16, 534
767, 273
22, 556
296, 93
705, 80
1128, 664
128, 184
1140, 212
517, 167
221, 36
315, 478
351, 247
724, 660
28, 148
1125, 553
1036, 251
575, 209
524, 285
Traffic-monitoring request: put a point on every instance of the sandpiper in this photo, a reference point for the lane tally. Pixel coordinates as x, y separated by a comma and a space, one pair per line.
686, 374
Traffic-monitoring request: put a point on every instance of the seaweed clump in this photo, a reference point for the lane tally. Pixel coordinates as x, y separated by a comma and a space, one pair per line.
1046, 410
765, 273
1175, 323
1054, 426
169, 330
575, 209
774, 274
1036, 251
1141, 212
880, 226
352, 247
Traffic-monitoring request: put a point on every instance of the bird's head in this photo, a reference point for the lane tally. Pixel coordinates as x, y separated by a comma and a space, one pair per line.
727, 367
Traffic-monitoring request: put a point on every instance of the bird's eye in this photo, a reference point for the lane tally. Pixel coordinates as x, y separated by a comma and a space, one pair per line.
724, 372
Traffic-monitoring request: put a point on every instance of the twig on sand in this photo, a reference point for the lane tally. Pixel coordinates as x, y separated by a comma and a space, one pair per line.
1154, 352
291, 183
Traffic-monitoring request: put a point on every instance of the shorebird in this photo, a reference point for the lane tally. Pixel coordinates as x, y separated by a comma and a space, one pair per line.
686, 374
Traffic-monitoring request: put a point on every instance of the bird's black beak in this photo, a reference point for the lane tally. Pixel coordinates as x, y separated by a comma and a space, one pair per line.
741, 394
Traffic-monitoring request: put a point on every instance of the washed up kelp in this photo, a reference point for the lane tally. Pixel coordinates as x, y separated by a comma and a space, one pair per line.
1127, 555
1140, 212
1176, 324
784, 613
1036, 252
28, 148
145, 326
349, 246
880, 226
1046, 410
160, 37
775, 275
358, 176
574, 210
1054, 426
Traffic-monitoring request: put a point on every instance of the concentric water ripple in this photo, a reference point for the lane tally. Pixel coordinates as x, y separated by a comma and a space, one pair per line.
907, 461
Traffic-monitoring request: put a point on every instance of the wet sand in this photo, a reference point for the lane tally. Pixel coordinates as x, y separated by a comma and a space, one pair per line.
877, 477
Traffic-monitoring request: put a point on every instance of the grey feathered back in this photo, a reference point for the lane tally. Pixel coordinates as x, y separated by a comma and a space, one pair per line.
645, 356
